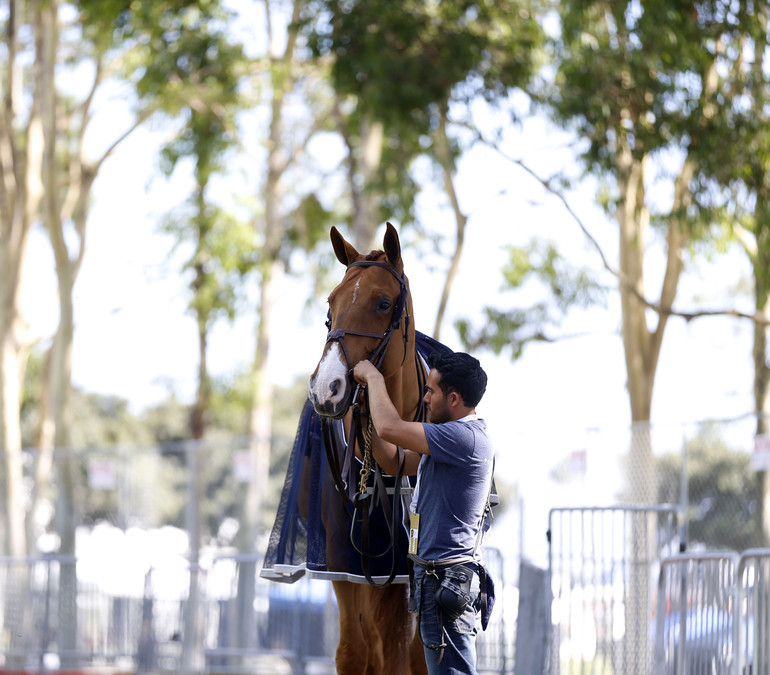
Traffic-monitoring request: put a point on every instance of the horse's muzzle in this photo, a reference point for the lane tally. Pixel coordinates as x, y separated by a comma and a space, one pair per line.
329, 408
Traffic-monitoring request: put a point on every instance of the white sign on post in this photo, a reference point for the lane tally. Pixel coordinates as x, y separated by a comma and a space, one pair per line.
242, 468
760, 458
101, 474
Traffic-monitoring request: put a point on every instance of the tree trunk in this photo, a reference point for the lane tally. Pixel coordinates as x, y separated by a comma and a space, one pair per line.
196, 493
60, 363
42, 466
762, 393
633, 220
642, 350
448, 169
68, 510
261, 413
760, 258
20, 196
21, 157
641, 345
365, 161
14, 537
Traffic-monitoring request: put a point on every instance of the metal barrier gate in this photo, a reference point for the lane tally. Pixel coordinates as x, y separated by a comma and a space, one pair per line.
694, 627
58, 613
753, 639
602, 566
713, 615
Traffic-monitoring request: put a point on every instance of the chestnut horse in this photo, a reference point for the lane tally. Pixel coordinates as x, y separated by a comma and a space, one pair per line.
370, 317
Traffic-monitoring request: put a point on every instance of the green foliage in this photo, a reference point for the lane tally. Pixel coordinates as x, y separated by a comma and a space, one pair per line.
734, 147
223, 254
229, 404
309, 224
538, 269
30, 397
394, 182
167, 421
631, 74
123, 19
656, 77
104, 420
171, 48
191, 70
402, 64
398, 59
194, 71
724, 492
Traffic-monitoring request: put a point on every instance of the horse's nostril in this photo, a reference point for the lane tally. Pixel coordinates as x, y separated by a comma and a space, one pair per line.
333, 386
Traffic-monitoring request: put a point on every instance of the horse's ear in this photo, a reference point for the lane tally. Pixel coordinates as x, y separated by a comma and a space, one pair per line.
392, 246
345, 253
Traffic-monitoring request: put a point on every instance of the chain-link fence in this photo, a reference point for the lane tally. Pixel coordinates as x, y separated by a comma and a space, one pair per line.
137, 596
133, 509
714, 470
277, 628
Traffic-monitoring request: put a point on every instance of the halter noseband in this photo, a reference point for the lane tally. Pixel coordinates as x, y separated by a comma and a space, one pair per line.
337, 334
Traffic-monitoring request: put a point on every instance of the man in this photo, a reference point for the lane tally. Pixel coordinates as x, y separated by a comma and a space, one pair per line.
453, 459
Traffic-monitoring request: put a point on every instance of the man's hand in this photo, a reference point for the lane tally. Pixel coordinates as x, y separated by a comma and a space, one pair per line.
364, 371
391, 429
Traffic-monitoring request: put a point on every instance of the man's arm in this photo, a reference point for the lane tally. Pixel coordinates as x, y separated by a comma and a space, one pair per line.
388, 423
386, 455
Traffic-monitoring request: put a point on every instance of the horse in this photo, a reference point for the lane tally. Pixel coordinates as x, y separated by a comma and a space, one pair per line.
339, 518
371, 317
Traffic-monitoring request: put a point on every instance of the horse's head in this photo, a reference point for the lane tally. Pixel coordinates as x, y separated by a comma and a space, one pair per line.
368, 319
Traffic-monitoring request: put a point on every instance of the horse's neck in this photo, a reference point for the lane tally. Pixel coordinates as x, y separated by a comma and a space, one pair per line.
404, 388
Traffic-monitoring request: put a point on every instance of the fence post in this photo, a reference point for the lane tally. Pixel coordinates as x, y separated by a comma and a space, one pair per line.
531, 628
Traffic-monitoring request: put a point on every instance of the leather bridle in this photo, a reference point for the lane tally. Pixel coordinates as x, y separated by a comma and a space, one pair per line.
401, 311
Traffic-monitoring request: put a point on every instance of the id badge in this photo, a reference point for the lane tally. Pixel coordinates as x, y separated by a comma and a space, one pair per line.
414, 527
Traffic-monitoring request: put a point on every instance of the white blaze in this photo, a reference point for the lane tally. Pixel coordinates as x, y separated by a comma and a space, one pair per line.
332, 374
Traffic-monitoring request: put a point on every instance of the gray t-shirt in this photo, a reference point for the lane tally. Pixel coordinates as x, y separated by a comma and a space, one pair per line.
453, 487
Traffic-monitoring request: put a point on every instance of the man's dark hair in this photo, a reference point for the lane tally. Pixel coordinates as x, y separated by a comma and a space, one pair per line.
462, 373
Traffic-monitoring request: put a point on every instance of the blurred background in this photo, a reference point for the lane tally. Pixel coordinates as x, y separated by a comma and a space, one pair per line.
581, 193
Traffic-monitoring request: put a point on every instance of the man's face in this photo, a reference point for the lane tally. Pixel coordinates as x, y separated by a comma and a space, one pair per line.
435, 401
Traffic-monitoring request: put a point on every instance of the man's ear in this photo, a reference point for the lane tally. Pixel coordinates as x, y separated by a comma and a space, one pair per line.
454, 398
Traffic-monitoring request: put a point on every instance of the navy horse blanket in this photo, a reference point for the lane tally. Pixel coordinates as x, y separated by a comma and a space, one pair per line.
317, 532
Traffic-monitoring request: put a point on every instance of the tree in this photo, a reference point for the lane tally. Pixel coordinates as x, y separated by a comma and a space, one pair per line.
734, 178
21, 195
566, 287
222, 250
637, 83
48, 178
724, 492
399, 68
196, 57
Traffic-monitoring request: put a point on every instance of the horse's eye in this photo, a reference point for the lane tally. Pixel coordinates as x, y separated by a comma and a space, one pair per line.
384, 305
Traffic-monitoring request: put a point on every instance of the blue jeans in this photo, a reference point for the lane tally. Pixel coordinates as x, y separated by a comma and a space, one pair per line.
458, 654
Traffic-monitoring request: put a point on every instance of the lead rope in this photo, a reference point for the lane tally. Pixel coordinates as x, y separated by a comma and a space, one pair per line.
368, 466
367, 460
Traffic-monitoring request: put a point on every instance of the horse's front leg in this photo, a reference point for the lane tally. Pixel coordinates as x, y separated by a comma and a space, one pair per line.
396, 626
417, 651
359, 651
